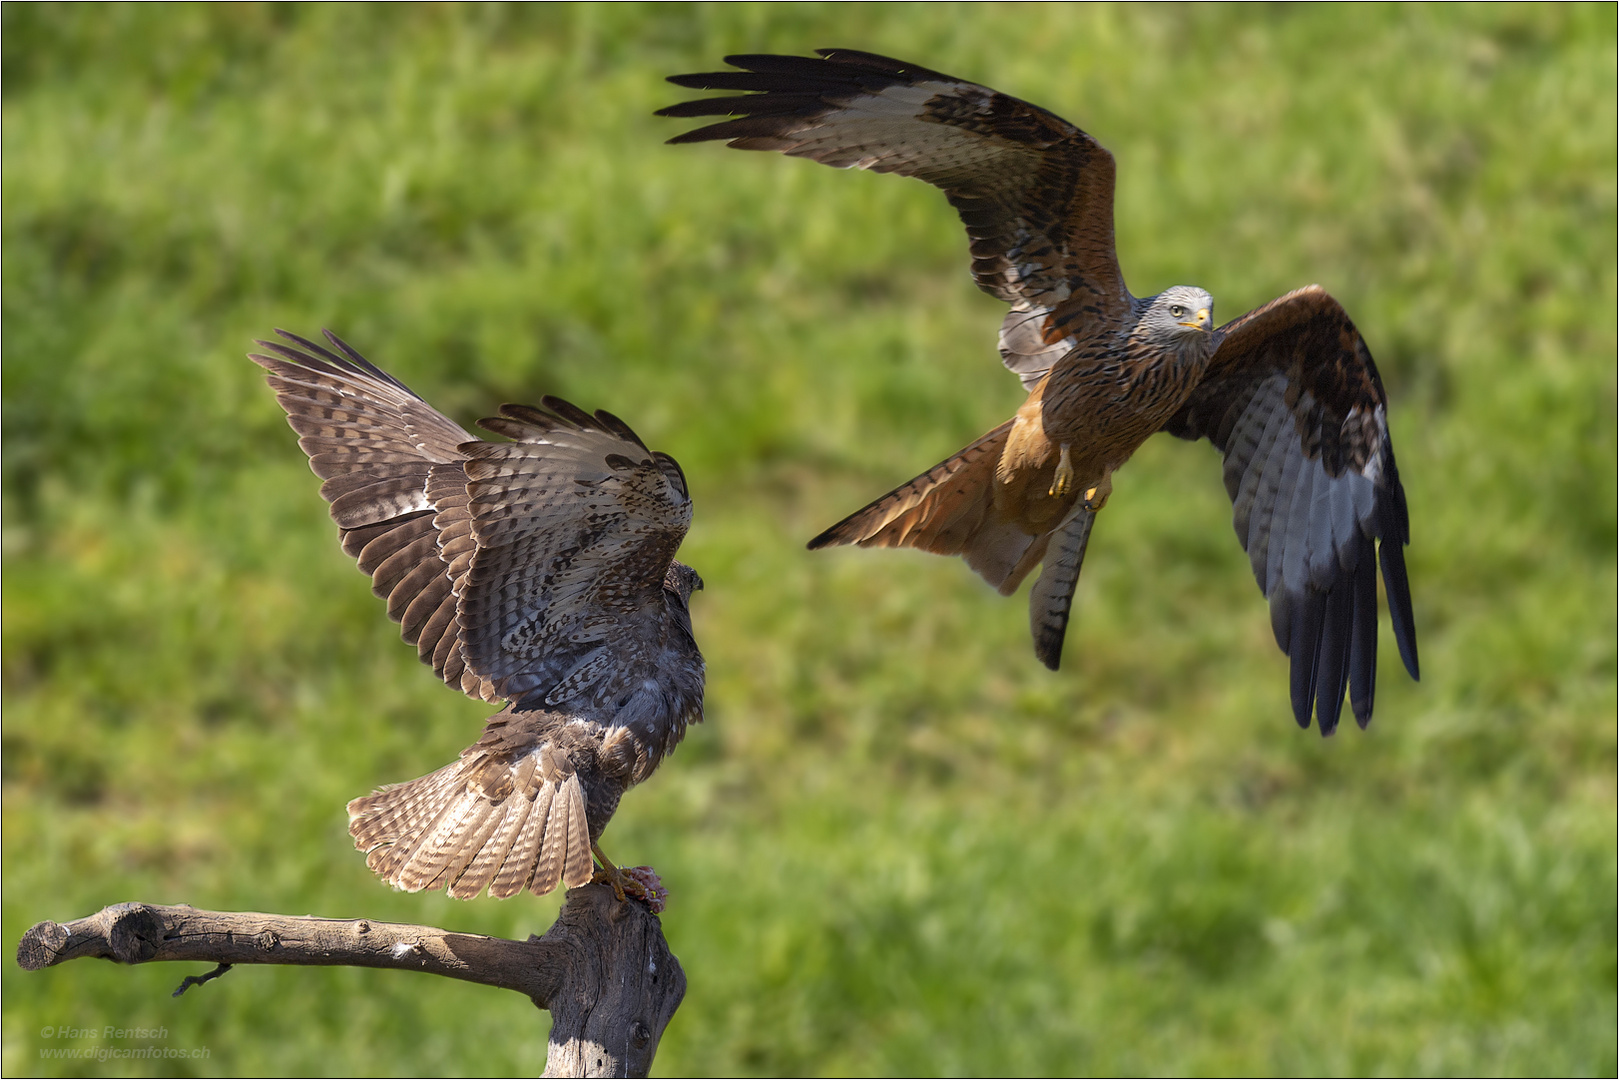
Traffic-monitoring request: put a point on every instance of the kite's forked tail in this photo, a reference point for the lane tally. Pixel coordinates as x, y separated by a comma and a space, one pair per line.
949, 510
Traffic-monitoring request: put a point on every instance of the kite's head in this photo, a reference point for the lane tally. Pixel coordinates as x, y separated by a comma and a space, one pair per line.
1180, 320
682, 580
1181, 312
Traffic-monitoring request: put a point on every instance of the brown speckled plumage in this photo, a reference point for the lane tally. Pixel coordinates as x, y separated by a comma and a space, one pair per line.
1288, 392
540, 572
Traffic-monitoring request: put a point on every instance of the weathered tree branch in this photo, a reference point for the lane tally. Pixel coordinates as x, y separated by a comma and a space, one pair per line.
603, 970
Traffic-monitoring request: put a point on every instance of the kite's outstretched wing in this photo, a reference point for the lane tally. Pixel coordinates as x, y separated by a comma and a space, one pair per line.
1035, 192
1294, 402
531, 570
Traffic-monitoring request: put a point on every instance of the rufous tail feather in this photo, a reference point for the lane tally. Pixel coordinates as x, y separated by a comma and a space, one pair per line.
948, 510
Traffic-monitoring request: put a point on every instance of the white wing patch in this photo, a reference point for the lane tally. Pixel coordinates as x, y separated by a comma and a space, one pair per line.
1024, 349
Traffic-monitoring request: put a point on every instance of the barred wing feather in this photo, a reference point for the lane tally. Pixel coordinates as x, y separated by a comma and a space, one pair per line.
1034, 192
576, 523
511, 566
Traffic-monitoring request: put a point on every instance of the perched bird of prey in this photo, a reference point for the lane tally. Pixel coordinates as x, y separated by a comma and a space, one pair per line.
1287, 392
539, 572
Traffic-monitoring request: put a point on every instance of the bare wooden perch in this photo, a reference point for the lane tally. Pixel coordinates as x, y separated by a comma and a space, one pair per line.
603, 970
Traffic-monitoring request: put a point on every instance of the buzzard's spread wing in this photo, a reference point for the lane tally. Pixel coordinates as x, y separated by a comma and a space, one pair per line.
576, 523
1035, 192
531, 570
396, 482
1293, 400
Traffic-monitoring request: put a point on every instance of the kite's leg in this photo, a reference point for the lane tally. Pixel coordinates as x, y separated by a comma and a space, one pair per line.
1064, 477
1096, 497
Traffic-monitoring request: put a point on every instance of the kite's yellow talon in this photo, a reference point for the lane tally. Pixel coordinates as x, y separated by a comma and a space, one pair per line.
1096, 497
1065, 475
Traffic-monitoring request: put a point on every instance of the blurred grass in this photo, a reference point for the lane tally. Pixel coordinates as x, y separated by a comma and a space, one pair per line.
899, 845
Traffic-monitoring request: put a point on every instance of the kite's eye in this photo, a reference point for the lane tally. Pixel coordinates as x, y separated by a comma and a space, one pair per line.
1176, 311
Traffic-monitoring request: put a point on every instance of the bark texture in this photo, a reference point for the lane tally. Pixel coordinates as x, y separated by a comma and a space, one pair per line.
603, 970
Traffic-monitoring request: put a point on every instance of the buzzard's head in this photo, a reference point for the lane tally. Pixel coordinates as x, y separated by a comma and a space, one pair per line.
682, 580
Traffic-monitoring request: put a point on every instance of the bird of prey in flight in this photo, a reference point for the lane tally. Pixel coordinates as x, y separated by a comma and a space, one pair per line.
539, 572
1287, 392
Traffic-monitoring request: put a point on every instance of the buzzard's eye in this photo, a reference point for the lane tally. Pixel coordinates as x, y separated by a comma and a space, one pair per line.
1177, 311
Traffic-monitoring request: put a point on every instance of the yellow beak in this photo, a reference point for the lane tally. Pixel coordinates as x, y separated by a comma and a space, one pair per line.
1200, 321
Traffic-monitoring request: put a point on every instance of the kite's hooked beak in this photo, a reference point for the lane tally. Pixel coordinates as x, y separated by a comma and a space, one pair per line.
1200, 321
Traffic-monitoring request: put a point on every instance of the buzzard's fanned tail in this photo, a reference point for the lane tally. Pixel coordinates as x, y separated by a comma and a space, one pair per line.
495, 819
1053, 592
948, 510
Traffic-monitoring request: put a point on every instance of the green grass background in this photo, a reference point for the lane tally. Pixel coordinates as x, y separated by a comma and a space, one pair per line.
898, 845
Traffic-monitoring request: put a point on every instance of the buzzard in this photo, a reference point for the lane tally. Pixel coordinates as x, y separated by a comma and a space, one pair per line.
1287, 392
539, 572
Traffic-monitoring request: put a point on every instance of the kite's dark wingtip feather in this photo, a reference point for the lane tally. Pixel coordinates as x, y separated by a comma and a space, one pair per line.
827, 54
699, 135
1304, 656
1363, 636
887, 65
1335, 655
1398, 587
